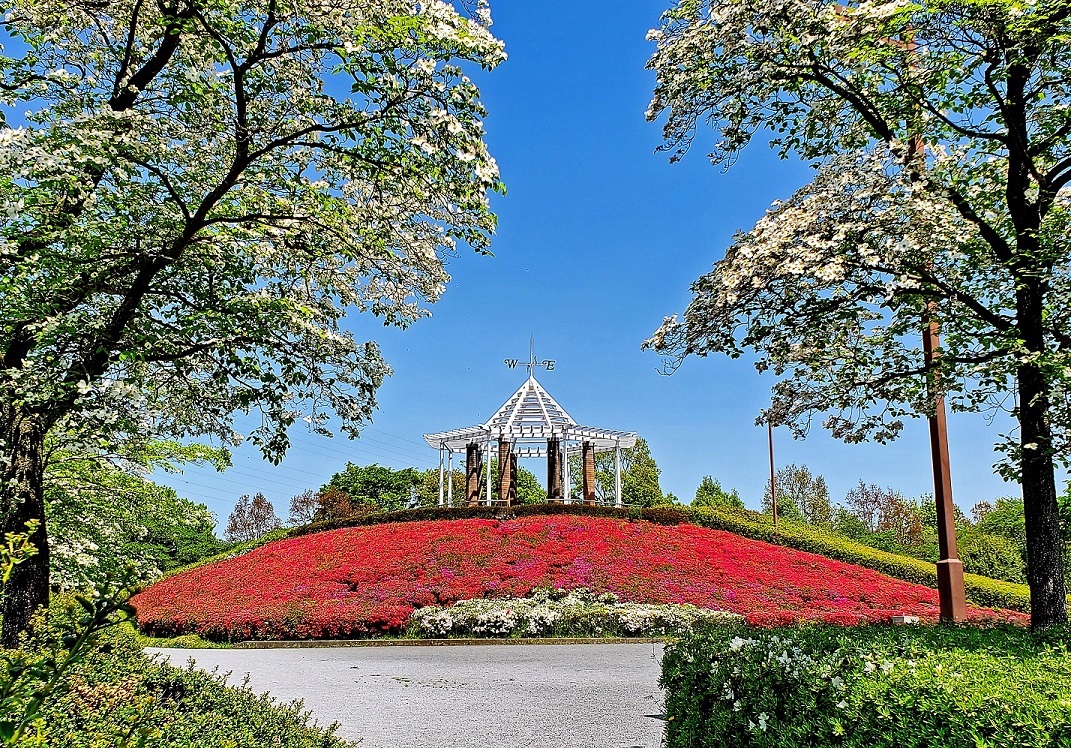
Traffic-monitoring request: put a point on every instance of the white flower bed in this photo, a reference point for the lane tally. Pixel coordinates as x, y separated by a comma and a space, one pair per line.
561, 613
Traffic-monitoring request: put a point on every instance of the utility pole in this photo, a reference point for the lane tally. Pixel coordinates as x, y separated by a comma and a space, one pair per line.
952, 597
773, 475
950, 591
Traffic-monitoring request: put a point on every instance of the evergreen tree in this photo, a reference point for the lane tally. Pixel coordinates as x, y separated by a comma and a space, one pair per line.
710, 493
639, 481
382, 488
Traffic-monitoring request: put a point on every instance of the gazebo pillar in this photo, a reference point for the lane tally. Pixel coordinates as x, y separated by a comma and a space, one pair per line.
505, 470
617, 475
512, 478
472, 474
487, 472
554, 470
442, 457
588, 452
450, 473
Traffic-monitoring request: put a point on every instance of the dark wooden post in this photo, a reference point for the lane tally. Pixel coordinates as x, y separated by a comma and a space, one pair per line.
473, 468
512, 479
554, 470
505, 465
589, 473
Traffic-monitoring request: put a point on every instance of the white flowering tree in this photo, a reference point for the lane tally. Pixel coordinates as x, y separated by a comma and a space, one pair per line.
195, 192
943, 134
106, 519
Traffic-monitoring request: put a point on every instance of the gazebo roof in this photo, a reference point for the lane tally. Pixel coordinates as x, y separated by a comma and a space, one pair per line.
530, 415
529, 407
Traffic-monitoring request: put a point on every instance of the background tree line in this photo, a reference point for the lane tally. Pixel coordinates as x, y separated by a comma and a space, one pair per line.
991, 537
358, 490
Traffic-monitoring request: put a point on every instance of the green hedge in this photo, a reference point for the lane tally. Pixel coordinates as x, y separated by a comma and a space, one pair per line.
119, 692
983, 591
868, 687
658, 515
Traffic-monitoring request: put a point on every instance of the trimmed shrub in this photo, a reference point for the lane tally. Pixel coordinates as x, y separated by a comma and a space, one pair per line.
992, 556
421, 514
868, 687
546, 612
983, 591
117, 695
656, 515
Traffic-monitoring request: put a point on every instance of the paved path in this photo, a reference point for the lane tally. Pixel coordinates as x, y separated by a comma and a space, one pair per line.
521, 696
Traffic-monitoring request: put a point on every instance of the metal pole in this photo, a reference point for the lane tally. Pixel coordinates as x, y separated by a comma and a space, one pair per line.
440, 475
951, 594
617, 472
565, 470
450, 480
773, 475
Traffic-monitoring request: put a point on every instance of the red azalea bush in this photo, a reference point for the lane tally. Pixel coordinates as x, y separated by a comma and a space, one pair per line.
360, 581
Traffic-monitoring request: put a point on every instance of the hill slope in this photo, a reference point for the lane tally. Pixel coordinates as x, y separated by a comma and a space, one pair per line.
360, 581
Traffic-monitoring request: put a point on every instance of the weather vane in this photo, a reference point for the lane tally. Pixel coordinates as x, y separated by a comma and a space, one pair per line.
547, 363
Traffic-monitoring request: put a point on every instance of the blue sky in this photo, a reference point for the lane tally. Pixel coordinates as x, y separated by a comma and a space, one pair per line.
599, 238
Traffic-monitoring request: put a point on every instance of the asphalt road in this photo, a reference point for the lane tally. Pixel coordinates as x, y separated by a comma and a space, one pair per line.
518, 696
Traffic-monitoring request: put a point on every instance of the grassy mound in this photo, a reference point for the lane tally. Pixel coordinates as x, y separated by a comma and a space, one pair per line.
367, 580
981, 590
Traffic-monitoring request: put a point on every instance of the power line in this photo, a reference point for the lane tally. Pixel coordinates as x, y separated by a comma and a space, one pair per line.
422, 444
360, 445
362, 442
255, 476
259, 469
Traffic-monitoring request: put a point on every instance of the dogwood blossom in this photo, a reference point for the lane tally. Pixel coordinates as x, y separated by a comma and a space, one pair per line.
194, 204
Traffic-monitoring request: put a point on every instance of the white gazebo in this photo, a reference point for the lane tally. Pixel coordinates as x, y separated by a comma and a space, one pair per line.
530, 423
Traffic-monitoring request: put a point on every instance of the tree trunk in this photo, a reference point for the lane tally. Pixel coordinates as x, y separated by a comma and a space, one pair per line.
23, 499
1044, 545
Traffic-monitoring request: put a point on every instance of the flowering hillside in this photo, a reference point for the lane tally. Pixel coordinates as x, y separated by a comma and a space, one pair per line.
361, 581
